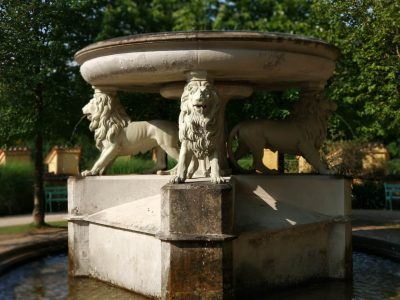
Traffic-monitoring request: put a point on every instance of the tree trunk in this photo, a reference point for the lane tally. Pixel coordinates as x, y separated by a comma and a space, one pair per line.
38, 197
281, 163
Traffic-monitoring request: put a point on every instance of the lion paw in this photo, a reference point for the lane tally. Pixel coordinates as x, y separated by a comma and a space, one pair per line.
177, 179
217, 180
89, 173
86, 173
162, 172
167, 172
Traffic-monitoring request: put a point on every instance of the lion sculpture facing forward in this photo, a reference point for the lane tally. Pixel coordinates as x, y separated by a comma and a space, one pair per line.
302, 135
116, 135
199, 129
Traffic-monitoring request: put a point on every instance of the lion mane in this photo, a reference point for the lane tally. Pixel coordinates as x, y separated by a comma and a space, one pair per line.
199, 129
109, 119
312, 115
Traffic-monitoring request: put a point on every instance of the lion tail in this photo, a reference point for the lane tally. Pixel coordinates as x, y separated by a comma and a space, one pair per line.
234, 133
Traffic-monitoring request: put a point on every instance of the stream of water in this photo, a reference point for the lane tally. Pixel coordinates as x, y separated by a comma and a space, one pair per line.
75, 128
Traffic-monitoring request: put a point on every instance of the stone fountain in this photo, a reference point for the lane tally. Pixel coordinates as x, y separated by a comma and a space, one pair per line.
177, 236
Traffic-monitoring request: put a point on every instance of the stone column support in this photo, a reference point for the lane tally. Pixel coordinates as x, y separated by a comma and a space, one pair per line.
225, 92
196, 233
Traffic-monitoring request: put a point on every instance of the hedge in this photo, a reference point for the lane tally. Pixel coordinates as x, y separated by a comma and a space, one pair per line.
16, 188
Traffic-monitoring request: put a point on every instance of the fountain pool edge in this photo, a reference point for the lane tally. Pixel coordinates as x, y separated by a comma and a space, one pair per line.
57, 242
375, 246
38, 246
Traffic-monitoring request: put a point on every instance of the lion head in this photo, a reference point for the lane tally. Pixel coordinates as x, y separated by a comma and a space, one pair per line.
106, 115
312, 112
199, 105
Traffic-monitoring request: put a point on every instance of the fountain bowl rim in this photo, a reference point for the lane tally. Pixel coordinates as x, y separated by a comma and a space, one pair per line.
203, 36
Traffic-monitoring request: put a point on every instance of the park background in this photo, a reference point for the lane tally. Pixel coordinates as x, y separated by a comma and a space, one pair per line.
42, 92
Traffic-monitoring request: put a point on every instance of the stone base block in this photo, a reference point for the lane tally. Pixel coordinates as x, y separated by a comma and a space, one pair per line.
197, 229
201, 241
197, 270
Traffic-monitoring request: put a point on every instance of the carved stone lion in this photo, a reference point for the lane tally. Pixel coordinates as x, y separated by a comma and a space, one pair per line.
303, 134
116, 135
199, 129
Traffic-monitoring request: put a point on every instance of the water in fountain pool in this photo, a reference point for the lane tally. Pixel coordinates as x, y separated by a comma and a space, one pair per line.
373, 278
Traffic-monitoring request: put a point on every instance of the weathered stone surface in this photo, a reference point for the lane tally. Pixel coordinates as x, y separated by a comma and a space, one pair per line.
89, 195
197, 270
78, 247
196, 228
179, 245
267, 259
297, 228
264, 60
327, 195
142, 216
197, 209
125, 258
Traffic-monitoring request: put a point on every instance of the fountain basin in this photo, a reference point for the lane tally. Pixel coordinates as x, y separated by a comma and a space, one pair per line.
147, 62
374, 278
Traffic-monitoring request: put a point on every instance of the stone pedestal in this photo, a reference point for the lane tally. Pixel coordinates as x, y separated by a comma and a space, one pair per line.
196, 233
203, 241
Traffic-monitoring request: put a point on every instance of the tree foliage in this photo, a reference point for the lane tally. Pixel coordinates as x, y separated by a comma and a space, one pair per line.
366, 81
39, 83
38, 48
37, 42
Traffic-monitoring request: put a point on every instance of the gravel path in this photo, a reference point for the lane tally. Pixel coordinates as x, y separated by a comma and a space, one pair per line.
26, 219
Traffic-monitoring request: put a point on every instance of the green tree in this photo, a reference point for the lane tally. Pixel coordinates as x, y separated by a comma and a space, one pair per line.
289, 16
127, 17
366, 81
39, 82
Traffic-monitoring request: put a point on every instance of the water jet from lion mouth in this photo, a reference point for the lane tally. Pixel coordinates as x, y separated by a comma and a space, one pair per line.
75, 128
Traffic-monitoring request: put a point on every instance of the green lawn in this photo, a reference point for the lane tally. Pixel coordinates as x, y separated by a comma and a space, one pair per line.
26, 228
246, 162
134, 165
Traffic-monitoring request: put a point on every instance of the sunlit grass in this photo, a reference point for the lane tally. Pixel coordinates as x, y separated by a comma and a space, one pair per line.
171, 163
246, 162
133, 165
31, 228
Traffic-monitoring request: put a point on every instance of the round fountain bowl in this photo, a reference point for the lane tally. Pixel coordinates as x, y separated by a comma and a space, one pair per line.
147, 62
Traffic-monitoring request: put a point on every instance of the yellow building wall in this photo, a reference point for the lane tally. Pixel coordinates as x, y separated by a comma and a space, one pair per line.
270, 159
376, 160
68, 163
63, 162
15, 158
304, 166
52, 166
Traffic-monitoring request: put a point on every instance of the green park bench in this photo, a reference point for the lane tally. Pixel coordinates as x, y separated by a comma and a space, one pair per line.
57, 194
392, 192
